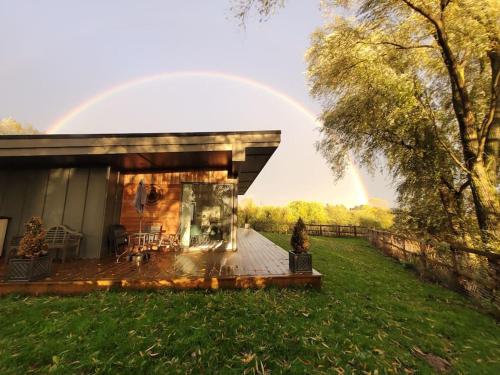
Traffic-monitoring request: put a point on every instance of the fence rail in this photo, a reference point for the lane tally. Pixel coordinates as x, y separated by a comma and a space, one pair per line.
326, 230
476, 273
329, 230
473, 272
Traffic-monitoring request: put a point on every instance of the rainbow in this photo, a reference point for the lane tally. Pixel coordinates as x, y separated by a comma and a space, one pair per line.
108, 93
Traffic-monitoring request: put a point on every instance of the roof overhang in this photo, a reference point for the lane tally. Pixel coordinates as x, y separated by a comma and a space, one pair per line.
242, 154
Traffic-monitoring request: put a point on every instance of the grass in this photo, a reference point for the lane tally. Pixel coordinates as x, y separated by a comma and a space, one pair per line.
369, 316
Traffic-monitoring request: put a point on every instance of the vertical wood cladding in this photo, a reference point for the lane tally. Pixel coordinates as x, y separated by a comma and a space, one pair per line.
166, 211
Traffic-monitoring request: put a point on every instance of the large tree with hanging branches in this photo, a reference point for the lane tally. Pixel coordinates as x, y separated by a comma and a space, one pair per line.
416, 82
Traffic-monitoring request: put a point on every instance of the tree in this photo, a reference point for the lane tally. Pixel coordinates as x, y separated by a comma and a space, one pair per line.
300, 239
415, 82
10, 126
310, 212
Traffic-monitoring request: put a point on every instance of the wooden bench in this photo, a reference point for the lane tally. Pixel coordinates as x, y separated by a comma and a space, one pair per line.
61, 239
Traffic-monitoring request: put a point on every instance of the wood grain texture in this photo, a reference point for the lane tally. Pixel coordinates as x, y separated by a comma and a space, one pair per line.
258, 263
166, 211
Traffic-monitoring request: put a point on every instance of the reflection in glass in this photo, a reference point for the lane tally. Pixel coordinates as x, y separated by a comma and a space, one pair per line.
207, 215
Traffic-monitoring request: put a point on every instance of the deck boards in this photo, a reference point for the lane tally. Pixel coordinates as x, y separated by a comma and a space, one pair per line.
257, 263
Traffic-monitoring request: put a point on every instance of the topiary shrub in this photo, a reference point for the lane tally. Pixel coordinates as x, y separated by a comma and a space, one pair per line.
300, 239
32, 244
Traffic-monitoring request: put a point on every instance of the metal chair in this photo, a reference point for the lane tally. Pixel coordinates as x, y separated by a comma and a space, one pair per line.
118, 240
60, 238
172, 241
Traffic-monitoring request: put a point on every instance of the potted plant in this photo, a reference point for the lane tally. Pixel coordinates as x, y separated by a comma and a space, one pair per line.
31, 260
299, 259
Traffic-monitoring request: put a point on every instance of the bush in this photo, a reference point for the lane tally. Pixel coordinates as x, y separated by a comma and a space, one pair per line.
300, 239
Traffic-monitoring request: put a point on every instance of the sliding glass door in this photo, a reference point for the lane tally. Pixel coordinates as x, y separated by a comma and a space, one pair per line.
207, 216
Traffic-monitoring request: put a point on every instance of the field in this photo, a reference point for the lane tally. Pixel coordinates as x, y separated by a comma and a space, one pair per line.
372, 315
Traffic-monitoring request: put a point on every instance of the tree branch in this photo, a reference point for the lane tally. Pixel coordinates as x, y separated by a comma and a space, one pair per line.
463, 186
399, 46
422, 12
444, 4
427, 107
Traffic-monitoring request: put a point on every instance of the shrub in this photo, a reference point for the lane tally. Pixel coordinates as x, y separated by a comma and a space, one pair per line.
300, 239
32, 244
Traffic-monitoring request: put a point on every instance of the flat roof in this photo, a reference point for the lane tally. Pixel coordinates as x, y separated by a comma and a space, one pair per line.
242, 153
132, 135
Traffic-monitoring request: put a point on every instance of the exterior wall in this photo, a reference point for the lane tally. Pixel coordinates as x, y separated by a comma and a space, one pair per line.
167, 211
112, 207
75, 197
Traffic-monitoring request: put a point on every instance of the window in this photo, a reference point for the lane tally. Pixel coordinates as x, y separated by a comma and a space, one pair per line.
207, 215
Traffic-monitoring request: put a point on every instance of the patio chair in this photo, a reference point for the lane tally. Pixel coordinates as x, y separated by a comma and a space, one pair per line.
60, 238
156, 239
172, 241
118, 240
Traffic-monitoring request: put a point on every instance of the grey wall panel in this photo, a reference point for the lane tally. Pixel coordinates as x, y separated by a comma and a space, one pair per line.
93, 220
56, 197
75, 198
34, 198
13, 201
112, 182
118, 199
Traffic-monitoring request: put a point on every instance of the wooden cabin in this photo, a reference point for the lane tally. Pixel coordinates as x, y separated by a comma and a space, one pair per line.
88, 182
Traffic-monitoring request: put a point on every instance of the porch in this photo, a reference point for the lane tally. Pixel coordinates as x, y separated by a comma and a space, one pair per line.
257, 263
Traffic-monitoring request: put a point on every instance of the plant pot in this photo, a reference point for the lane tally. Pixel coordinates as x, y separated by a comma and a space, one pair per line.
300, 262
21, 269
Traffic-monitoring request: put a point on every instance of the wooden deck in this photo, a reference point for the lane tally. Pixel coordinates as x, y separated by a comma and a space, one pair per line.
258, 263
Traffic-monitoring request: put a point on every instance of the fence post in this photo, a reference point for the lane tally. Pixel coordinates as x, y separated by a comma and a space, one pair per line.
321, 230
423, 255
355, 235
455, 271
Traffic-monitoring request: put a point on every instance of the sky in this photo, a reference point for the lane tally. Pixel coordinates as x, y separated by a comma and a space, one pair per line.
166, 66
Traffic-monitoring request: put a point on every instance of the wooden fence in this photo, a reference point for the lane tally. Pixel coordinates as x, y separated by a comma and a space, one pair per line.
475, 273
330, 230
327, 230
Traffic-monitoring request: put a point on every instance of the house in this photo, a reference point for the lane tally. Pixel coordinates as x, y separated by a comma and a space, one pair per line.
89, 181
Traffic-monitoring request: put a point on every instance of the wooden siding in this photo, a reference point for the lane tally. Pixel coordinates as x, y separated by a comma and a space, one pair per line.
167, 211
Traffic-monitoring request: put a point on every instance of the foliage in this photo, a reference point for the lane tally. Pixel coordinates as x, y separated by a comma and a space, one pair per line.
300, 240
414, 85
369, 316
282, 218
411, 107
32, 244
10, 126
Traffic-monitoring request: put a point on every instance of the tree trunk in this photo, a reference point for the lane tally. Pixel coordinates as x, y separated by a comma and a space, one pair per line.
491, 150
486, 203
452, 204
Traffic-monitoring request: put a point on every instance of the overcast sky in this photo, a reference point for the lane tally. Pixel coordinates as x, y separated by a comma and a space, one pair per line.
56, 55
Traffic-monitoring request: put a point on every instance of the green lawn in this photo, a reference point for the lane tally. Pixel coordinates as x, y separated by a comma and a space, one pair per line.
370, 315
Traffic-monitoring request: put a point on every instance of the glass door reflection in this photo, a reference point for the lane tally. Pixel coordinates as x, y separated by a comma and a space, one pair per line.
207, 216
